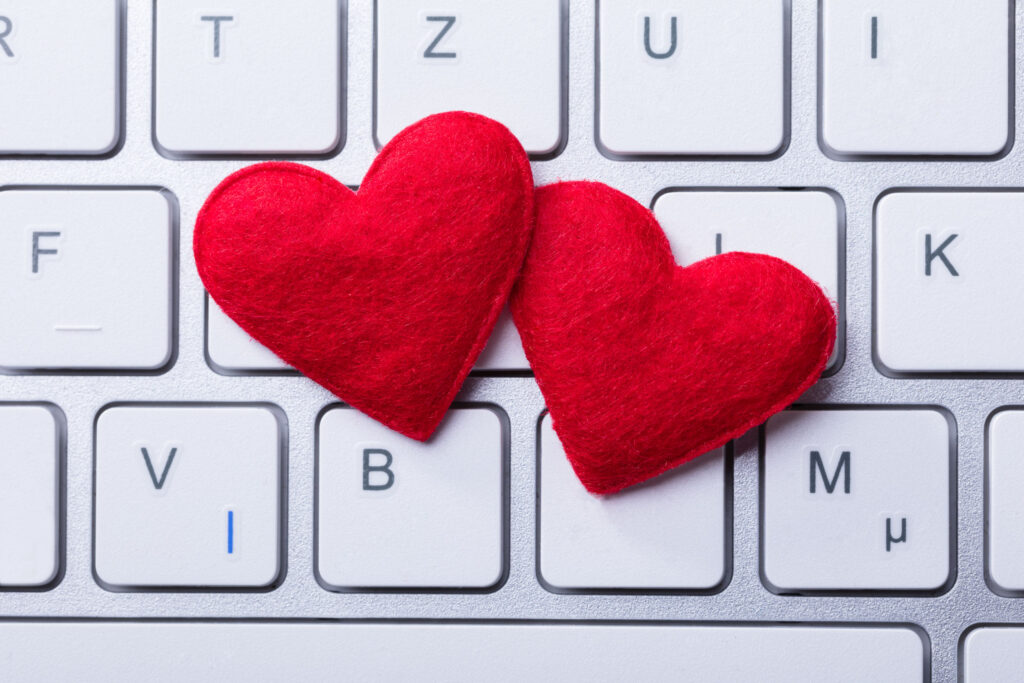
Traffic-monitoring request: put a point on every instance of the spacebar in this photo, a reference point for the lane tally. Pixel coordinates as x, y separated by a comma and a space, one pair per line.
382, 651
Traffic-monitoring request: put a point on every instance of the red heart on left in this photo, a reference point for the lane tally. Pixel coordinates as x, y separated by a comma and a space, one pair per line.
386, 296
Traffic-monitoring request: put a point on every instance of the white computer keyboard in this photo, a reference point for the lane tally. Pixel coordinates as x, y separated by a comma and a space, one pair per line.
176, 504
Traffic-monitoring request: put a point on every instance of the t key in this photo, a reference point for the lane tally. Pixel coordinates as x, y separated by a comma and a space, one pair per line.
260, 77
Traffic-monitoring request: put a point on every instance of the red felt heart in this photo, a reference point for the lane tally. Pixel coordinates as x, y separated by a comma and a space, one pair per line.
385, 296
644, 364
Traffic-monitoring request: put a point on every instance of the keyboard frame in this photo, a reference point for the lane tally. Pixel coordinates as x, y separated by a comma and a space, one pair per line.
745, 598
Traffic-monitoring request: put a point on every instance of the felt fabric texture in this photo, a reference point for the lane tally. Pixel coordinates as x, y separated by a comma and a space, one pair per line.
386, 296
645, 365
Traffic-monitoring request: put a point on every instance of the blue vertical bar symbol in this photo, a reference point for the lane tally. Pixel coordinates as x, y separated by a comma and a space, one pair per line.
874, 37
231, 532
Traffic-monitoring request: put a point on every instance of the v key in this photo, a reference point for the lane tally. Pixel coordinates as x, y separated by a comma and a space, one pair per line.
159, 483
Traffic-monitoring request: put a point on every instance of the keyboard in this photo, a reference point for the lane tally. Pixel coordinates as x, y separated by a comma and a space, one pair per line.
178, 504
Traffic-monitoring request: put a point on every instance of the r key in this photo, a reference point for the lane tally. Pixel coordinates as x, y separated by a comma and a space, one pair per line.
59, 77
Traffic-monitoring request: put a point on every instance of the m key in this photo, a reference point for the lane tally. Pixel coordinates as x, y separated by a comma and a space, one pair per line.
857, 499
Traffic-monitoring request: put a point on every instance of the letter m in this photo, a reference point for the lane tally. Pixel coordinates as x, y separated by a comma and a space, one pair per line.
818, 467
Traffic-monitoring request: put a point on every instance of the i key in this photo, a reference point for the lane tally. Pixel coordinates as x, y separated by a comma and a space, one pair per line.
915, 77
856, 499
188, 496
497, 58
397, 513
86, 279
59, 82
247, 77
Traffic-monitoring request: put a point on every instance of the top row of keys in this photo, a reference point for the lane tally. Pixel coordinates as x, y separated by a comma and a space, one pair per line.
673, 78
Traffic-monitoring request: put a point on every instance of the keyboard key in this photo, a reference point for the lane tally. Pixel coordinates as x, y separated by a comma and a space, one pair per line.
500, 59
993, 654
188, 496
947, 278
396, 513
1004, 505
249, 78
86, 279
667, 534
59, 75
231, 349
799, 227
691, 77
240, 651
915, 77
504, 350
29, 485
856, 499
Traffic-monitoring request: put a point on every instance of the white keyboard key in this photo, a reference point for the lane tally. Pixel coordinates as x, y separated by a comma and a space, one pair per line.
457, 652
1004, 505
691, 77
29, 485
85, 279
497, 58
915, 77
59, 75
948, 281
397, 513
188, 496
799, 227
231, 349
504, 350
993, 654
856, 499
249, 77
667, 534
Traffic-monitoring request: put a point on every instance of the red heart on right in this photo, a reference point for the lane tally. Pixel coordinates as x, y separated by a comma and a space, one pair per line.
645, 364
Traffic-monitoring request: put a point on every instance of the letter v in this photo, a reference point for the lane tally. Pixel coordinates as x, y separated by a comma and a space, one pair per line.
159, 483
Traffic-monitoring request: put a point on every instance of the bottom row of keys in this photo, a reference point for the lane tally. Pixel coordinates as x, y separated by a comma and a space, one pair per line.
194, 495
460, 652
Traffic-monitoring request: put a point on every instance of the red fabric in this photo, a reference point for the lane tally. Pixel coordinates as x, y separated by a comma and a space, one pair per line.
644, 364
385, 296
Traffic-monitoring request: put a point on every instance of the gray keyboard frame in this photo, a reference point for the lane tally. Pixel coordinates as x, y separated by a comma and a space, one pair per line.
943, 617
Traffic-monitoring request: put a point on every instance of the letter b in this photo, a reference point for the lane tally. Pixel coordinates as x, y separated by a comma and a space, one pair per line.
385, 469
